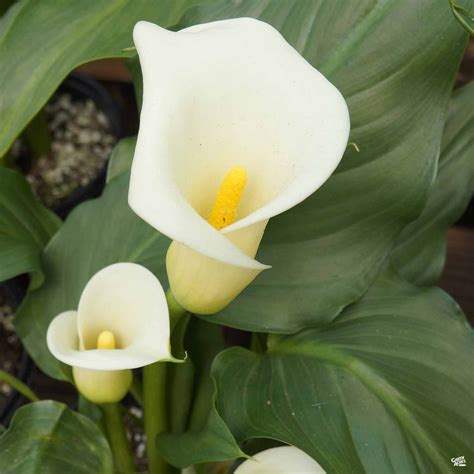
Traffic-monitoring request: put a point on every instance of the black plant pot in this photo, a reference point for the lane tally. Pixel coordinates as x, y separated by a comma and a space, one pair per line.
84, 87
467, 219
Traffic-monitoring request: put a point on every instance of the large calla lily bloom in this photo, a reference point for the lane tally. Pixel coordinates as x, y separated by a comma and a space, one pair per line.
122, 323
236, 127
281, 460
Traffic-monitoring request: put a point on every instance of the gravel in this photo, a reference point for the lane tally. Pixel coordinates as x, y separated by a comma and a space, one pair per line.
81, 143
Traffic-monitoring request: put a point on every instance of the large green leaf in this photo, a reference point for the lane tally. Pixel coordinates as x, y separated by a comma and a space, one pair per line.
25, 227
41, 42
48, 437
386, 388
396, 71
421, 249
96, 234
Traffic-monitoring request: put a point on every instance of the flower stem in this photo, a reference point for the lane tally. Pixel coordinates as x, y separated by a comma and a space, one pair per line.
154, 404
136, 389
18, 385
118, 438
154, 397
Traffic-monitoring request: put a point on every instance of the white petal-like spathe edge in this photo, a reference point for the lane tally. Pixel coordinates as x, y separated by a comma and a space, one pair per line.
225, 94
126, 299
281, 460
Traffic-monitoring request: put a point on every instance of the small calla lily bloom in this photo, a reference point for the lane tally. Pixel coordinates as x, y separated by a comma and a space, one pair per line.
281, 460
236, 127
122, 322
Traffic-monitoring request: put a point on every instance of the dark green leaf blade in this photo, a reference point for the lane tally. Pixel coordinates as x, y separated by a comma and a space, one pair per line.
41, 42
396, 74
49, 437
25, 227
96, 234
421, 248
388, 387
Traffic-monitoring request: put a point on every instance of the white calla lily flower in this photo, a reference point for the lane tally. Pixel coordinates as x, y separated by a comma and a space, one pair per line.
236, 127
281, 460
122, 322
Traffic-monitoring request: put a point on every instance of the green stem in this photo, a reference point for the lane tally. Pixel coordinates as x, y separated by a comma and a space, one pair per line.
136, 389
18, 385
154, 404
258, 343
154, 397
118, 438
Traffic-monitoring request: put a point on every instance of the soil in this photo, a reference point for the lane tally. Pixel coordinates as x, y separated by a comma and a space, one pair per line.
136, 435
81, 142
10, 345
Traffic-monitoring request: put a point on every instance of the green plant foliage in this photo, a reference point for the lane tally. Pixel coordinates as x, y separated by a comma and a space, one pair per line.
48, 437
387, 387
121, 157
25, 227
421, 251
214, 442
463, 15
326, 252
48, 39
203, 436
96, 234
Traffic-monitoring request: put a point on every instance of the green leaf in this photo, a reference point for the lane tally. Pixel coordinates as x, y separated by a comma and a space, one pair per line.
421, 249
214, 442
25, 227
121, 157
326, 252
464, 16
96, 234
203, 436
48, 437
386, 388
41, 42
133, 65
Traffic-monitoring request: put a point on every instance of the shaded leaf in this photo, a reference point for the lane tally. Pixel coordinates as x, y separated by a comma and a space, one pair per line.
421, 249
49, 437
25, 227
121, 157
214, 442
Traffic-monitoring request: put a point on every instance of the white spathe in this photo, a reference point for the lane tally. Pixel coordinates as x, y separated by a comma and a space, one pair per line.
127, 300
216, 96
281, 460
